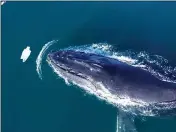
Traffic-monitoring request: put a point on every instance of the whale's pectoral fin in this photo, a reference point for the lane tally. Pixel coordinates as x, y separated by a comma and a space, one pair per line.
125, 122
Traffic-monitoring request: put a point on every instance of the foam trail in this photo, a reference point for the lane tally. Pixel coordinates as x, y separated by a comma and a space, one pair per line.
125, 122
40, 57
117, 126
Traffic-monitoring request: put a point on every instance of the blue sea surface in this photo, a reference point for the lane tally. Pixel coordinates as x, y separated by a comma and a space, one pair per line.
30, 104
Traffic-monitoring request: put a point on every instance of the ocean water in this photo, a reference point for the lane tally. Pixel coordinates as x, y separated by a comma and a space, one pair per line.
31, 104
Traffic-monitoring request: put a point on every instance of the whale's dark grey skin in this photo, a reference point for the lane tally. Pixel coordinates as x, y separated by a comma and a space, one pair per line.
118, 77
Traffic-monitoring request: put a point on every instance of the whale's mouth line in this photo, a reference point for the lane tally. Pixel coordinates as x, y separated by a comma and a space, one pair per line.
66, 69
58, 65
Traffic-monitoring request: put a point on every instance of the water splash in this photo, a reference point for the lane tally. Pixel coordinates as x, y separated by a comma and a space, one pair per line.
125, 122
41, 55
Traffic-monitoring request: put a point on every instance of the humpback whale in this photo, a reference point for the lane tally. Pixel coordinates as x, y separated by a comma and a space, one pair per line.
110, 75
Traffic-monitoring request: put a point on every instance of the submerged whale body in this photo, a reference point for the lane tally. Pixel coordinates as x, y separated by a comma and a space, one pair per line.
119, 78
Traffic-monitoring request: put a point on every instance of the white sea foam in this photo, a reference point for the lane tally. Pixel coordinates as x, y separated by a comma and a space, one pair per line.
40, 57
125, 59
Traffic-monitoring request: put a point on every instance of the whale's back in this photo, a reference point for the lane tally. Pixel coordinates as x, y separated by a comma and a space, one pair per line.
139, 84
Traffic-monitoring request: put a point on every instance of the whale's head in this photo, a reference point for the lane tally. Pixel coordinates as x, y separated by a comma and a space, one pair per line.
83, 65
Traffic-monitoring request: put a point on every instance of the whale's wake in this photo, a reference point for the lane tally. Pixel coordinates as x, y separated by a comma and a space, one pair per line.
156, 65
